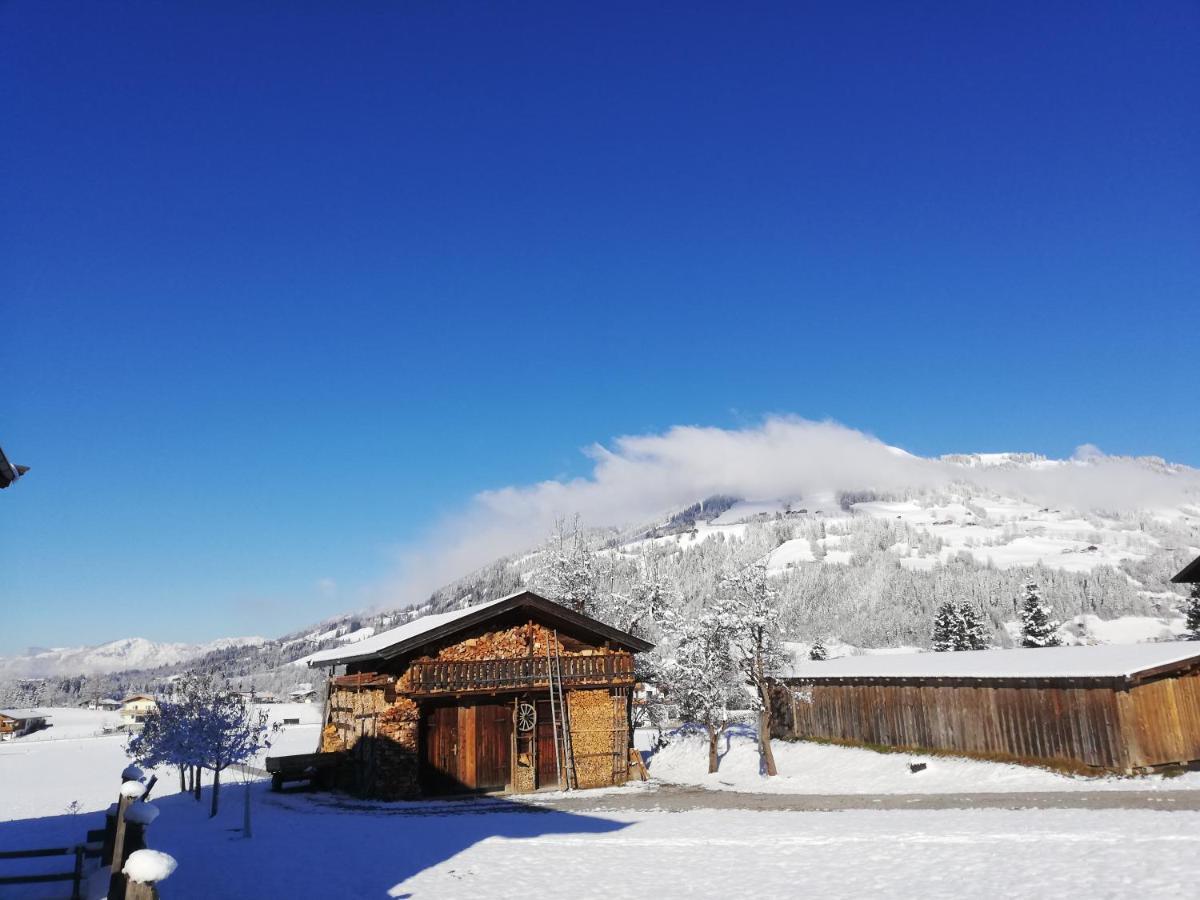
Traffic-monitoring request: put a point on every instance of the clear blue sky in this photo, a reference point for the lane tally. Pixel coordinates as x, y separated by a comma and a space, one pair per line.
283, 282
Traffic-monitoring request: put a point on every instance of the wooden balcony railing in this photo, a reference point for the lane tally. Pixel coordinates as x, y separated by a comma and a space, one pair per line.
525, 672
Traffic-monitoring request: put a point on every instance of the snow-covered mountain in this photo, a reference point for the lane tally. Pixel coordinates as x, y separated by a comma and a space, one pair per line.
115, 656
865, 565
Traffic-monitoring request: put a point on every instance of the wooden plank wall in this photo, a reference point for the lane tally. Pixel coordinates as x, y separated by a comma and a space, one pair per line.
1163, 720
1070, 727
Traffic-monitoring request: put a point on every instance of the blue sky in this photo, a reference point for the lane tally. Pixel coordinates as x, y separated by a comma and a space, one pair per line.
283, 284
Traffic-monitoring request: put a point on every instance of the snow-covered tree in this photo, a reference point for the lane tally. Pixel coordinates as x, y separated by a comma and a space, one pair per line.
750, 606
974, 630
205, 725
1037, 628
817, 651
1192, 613
947, 628
702, 677
652, 601
571, 577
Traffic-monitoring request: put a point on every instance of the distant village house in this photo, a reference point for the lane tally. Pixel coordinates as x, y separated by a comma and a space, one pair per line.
135, 708
15, 723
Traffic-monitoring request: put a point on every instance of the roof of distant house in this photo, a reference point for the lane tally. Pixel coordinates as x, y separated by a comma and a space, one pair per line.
426, 629
23, 714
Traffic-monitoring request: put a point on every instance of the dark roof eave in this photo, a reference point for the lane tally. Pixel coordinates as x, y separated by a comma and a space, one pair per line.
1189, 574
528, 599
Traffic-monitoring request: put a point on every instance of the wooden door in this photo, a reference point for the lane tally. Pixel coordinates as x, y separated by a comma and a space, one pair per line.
439, 750
547, 765
493, 746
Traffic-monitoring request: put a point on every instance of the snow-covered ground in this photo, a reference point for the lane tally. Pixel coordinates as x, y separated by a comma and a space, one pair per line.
325, 846
810, 768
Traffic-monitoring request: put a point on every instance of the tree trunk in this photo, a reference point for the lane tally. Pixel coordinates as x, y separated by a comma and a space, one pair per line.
182, 785
216, 792
764, 739
714, 736
196, 783
246, 810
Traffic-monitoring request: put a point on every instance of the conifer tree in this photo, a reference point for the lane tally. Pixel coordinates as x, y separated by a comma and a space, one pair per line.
1192, 612
974, 631
1037, 628
947, 628
817, 652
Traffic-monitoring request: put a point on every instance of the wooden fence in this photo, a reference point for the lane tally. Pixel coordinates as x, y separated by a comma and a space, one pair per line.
80, 852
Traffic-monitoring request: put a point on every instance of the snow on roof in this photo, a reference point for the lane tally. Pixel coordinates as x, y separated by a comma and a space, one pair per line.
24, 713
1098, 661
372, 645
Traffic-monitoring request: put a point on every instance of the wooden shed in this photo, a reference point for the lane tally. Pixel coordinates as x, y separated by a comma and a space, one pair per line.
513, 695
1118, 708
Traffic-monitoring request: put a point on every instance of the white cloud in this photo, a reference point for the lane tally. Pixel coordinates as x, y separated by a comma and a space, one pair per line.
639, 477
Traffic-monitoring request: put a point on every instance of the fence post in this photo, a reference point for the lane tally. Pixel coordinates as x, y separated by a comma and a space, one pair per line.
110, 834
143, 871
130, 791
77, 879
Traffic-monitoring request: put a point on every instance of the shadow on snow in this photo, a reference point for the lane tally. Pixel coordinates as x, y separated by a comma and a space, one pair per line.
317, 845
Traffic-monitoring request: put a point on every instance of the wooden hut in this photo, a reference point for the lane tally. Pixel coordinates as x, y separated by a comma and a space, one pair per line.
513, 695
1121, 708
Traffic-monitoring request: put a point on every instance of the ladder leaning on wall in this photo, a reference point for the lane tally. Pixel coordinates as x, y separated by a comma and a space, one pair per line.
564, 757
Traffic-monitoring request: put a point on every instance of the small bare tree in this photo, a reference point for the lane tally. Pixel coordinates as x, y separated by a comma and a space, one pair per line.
750, 610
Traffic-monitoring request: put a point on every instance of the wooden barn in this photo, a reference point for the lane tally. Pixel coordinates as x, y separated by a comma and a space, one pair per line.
1116, 708
513, 695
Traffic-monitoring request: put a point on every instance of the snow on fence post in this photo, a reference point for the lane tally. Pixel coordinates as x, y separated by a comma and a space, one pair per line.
143, 871
132, 773
131, 791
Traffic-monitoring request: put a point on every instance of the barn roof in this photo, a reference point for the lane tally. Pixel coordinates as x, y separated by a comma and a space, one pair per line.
1099, 661
1190, 573
431, 628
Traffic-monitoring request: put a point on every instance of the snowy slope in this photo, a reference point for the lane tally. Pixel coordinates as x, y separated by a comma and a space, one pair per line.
115, 656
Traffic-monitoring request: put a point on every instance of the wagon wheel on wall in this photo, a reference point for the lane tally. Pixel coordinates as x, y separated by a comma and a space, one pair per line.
526, 717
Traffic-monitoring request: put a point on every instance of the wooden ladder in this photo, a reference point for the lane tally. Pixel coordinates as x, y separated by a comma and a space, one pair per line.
565, 756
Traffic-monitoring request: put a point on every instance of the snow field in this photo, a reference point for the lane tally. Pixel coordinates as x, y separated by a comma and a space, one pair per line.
735, 853
809, 768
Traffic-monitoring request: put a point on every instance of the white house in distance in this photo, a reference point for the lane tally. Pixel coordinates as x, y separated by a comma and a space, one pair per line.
107, 704
135, 708
304, 692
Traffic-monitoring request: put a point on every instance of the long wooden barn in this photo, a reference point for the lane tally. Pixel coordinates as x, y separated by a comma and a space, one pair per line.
513, 695
1116, 708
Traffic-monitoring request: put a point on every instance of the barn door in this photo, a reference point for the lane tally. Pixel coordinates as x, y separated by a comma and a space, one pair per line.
439, 750
547, 767
493, 746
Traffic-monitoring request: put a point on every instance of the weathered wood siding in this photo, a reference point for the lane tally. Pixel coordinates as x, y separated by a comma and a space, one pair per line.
1063, 725
1162, 721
